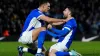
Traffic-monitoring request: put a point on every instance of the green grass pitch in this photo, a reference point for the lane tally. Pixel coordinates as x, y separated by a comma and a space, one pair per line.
85, 48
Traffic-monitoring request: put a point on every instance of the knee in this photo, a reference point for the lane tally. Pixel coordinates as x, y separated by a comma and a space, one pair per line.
23, 41
43, 28
52, 53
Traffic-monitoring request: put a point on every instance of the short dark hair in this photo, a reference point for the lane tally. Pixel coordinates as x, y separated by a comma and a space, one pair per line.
72, 10
42, 2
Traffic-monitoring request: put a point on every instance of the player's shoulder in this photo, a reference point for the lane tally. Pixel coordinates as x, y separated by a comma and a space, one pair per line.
72, 19
71, 22
36, 11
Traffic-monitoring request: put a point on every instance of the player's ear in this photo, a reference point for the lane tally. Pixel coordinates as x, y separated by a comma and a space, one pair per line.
43, 5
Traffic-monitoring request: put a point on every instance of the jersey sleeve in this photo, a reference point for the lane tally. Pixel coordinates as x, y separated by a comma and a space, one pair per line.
38, 14
68, 25
53, 34
60, 32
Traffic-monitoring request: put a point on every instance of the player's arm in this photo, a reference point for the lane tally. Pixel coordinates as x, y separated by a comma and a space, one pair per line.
50, 20
53, 34
58, 23
62, 32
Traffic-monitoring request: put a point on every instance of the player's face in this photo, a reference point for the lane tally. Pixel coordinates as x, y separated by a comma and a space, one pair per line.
66, 12
46, 7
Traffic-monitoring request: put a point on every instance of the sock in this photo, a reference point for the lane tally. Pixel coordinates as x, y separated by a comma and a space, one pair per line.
70, 53
32, 51
39, 50
59, 53
41, 39
29, 50
25, 49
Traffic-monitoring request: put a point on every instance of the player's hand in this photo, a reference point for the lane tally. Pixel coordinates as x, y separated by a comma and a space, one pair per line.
49, 26
64, 20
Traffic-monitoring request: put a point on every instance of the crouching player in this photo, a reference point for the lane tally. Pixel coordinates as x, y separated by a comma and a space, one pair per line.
34, 29
65, 36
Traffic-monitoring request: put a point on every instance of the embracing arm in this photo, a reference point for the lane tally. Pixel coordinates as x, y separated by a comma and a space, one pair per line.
58, 23
50, 20
53, 34
62, 32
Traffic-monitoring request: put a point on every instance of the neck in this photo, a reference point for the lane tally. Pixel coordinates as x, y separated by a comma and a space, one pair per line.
69, 17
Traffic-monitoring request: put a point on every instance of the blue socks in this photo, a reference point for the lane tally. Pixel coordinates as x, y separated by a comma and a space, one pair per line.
41, 39
59, 53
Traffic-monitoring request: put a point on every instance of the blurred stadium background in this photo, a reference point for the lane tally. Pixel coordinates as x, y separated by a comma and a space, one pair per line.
14, 12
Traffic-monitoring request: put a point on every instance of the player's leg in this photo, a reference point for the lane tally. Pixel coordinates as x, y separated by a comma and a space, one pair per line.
52, 53
33, 48
36, 32
22, 50
29, 37
57, 50
41, 38
62, 53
